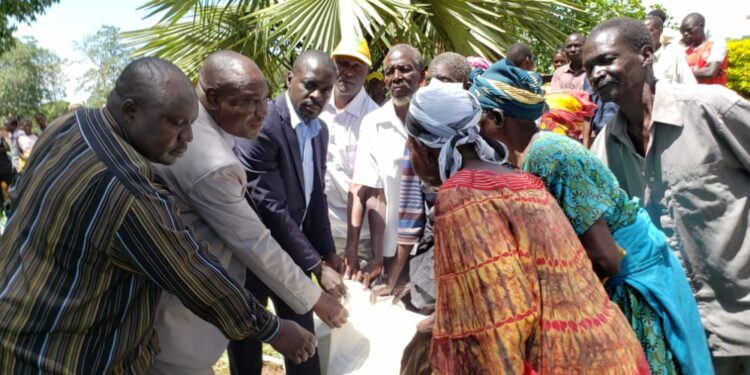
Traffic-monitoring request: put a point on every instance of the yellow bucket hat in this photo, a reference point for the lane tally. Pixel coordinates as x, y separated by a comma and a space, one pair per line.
354, 47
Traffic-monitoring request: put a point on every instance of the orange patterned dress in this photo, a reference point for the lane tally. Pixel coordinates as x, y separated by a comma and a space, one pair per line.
515, 290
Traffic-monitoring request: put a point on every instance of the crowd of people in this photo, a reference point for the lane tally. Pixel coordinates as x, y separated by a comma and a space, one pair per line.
599, 224
16, 142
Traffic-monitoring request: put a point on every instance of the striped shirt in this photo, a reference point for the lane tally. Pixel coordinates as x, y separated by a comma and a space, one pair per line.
415, 202
411, 209
91, 243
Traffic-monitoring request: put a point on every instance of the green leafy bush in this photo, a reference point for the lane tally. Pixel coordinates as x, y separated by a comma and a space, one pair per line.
738, 73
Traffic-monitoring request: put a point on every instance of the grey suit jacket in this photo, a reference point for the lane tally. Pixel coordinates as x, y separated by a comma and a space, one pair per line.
209, 185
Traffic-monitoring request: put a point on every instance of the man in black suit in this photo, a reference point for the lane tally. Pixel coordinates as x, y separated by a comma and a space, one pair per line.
285, 170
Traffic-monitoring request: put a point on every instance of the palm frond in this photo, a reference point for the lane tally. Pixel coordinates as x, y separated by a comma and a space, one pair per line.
320, 24
273, 32
488, 27
187, 43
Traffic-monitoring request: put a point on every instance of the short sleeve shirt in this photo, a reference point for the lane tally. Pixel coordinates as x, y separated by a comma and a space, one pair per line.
343, 135
380, 155
567, 79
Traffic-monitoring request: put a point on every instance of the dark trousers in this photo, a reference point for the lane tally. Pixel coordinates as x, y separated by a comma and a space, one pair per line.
6, 175
246, 356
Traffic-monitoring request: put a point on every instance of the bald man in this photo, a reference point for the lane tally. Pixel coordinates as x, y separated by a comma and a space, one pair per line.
286, 167
89, 248
209, 184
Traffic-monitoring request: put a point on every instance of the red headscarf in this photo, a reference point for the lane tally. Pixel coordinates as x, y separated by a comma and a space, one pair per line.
568, 110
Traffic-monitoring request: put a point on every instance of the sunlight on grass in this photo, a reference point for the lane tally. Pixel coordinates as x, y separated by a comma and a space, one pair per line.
222, 367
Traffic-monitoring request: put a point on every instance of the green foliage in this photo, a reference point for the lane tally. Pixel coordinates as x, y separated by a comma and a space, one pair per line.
18, 11
594, 12
109, 56
602, 10
738, 74
53, 110
29, 76
272, 32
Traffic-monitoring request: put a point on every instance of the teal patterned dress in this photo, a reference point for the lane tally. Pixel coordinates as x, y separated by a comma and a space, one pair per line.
661, 309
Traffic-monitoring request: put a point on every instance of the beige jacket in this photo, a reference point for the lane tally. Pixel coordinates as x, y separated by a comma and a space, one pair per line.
209, 186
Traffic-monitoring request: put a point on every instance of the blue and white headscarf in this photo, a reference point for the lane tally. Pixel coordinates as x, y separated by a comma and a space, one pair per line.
449, 117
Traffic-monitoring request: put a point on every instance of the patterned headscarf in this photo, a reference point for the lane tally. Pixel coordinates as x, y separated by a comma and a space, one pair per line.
478, 62
517, 92
445, 116
568, 109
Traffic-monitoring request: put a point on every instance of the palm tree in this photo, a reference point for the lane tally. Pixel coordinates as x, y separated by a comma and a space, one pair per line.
272, 32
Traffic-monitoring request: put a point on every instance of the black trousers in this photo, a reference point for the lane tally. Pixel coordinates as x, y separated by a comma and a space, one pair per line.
7, 175
246, 356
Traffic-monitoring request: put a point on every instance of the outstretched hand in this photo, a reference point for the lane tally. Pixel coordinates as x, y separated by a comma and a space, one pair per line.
332, 282
351, 267
294, 342
370, 274
330, 311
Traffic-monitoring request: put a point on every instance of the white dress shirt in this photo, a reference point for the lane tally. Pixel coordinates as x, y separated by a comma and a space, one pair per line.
343, 134
15, 153
306, 131
380, 155
209, 185
670, 65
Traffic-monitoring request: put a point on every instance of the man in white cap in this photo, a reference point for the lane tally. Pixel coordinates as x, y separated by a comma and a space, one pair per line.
343, 113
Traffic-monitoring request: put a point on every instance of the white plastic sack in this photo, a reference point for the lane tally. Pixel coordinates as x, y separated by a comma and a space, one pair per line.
372, 341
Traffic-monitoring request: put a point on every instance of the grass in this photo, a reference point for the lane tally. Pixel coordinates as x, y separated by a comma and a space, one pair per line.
222, 367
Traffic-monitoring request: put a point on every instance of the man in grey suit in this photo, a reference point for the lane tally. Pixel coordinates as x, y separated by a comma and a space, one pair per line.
209, 184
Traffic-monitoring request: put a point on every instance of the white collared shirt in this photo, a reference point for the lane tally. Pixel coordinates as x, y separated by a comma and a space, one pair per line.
343, 134
305, 134
14, 152
380, 156
670, 65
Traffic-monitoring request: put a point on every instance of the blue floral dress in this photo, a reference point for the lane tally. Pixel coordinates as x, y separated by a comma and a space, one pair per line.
651, 288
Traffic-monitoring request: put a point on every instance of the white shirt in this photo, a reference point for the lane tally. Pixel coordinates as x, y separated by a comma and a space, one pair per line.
209, 185
305, 133
343, 135
670, 65
24, 144
671, 36
718, 51
14, 151
380, 156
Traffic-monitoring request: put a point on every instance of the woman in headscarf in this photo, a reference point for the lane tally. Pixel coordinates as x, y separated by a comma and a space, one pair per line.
648, 283
568, 112
515, 292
